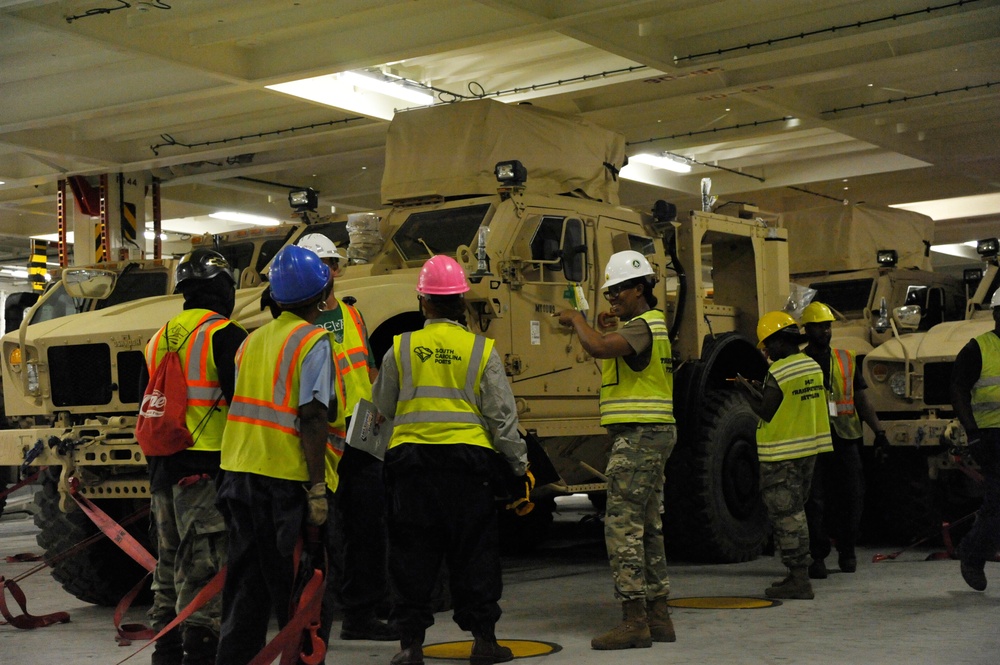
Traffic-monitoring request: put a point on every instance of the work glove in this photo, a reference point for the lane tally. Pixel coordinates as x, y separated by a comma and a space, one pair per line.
316, 498
881, 446
522, 505
957, 439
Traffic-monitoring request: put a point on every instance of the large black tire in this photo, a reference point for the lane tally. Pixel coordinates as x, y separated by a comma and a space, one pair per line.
101, 573
713, 508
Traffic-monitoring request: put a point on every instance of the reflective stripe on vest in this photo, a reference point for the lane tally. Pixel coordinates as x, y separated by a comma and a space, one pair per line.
262, 434
847, 424
195, 328
986, 391
352, 357
628, 396
440, 369
801, 425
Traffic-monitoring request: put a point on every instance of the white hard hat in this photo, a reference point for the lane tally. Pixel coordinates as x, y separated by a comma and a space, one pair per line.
995, 300
624, 266
321, 245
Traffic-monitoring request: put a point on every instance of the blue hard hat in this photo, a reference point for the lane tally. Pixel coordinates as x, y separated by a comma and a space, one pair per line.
297, 276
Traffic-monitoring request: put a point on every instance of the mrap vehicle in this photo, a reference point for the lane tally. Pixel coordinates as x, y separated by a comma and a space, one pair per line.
526, 200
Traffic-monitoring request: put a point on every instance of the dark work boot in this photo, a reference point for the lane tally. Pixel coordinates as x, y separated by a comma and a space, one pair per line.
974, 573
486, 650
797, 587
631, 633
661, 628
411, 652
817, 570
847, 561
364, 626
168, 649
200, 645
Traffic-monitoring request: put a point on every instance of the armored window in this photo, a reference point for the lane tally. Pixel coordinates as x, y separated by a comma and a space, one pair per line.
135, 284
440, 231
850, 297
559, 245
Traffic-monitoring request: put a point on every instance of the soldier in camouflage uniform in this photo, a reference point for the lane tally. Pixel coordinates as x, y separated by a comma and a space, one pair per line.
637, 409
190, 530
793, 406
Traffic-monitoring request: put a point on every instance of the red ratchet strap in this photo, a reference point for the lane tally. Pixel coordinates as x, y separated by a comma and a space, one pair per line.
213, 587
25, 621
288, 643
128, 544
28, 621
16, 486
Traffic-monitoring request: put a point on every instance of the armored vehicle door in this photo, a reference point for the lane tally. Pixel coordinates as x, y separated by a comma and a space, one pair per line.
552, 267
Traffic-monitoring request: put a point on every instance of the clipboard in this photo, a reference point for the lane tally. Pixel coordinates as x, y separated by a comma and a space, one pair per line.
363, 432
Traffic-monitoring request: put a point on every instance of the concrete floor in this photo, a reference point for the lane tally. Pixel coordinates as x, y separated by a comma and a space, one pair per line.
904, 611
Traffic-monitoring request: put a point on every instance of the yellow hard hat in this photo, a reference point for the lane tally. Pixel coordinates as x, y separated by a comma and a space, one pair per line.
771, 323
816, 312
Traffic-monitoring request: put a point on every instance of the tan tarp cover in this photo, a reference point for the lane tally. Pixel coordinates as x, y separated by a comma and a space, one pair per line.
846, 237
451, 151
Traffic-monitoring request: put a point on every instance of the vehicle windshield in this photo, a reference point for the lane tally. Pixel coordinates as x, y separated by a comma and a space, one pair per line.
849, 297
130, 285
424, 234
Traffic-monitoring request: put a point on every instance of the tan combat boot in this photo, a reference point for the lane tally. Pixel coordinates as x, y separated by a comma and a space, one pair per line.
661, 628
633, 632
797, 586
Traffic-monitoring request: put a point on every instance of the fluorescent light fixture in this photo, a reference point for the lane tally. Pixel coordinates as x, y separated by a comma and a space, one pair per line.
956, 208
356, 92
54, 237
16, 273
661, 162
388, 88
244, 218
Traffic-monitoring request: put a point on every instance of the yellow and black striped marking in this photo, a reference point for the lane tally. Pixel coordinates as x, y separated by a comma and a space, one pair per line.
462, 650
36, 265
723, 603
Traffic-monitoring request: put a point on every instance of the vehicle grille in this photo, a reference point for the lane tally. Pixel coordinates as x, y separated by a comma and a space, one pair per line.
130, 364
81, 374
937, 381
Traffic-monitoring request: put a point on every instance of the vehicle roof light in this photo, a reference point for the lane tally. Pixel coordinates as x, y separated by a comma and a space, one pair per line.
886, 258
303, 199
511, 174
988, 248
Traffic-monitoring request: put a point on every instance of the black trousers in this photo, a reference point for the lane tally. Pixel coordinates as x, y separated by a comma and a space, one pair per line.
264, 517
836, 498
356, 541
442, 509
983, 540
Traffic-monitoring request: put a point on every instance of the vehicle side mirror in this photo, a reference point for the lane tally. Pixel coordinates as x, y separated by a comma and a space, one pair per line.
89, 283
882, 324
908, 316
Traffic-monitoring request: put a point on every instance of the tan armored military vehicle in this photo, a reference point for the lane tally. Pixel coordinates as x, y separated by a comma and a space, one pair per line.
534, 236
909, 379
863, 262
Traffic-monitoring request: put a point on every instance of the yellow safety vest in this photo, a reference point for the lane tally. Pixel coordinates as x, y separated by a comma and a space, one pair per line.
206, 411
262, 434
628, 396
352, 357
986, 391
843, 365
336, 434
440, 370
801, 426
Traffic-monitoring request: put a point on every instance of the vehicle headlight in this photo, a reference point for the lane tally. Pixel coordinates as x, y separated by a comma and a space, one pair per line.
33, 378
897, 383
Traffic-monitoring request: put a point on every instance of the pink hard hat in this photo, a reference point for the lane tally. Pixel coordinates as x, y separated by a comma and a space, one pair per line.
442, 276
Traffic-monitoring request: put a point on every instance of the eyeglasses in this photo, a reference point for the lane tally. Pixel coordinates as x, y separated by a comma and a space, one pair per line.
615, 291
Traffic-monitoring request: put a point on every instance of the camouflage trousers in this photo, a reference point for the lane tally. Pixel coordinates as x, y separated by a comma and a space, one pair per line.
633, 531
191, 542
784, 487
